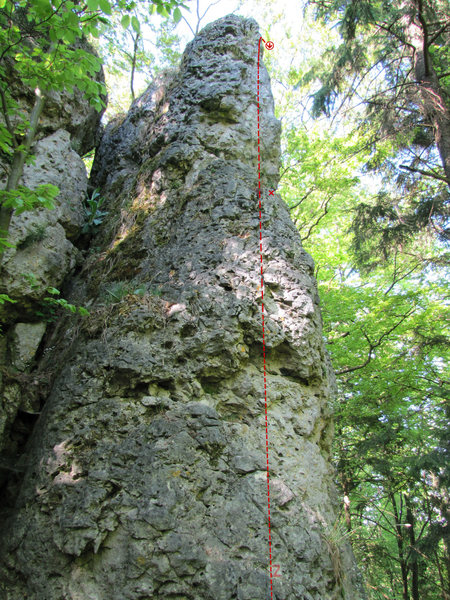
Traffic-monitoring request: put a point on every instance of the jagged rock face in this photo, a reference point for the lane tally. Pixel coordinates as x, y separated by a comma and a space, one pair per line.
145, 476
44, 251
42, 238
43, 254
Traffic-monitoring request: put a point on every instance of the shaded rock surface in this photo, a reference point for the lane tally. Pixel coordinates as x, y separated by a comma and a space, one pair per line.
145, 476
42, 238
43, 255
44, 251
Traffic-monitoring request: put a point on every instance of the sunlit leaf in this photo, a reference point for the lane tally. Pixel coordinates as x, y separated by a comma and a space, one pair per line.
135, 24
177, 15
105, 7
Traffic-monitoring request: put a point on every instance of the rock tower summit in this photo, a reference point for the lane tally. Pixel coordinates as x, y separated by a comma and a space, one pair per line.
146, 472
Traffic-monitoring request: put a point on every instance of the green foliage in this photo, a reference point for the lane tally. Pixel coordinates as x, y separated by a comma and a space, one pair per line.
35, 234
390, 347
135, 50
5, 298
94, 214
51, 307
23, 199
389, 343
386, 330
177, 15
88, 160
387, 73
40, 40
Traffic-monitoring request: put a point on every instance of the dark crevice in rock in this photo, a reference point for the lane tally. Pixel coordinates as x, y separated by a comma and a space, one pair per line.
293, 375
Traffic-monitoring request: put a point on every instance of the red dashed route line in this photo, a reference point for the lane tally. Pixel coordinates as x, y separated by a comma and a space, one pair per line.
269, 46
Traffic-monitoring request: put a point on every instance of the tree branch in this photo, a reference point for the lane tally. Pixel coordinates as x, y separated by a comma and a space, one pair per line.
397, 37
209, 6
426, 173
19, 158
302, 199
189, 25
397, 279
374, 345
9, 126
320, 217
438, 33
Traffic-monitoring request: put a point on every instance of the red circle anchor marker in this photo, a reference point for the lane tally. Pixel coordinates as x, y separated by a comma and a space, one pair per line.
269, 45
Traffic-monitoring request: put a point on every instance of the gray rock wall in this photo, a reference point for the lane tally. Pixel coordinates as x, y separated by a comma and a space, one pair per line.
45, 251
145, 475
42, 238
42, 256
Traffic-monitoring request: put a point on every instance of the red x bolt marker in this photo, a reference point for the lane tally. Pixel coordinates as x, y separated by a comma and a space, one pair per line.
271, 192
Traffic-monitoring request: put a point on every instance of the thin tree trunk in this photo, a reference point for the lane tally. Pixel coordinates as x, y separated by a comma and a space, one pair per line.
432, 97
346, 490
133, 66
442, 504
400, 548
445, 592
435, 109
18, 161
413, 552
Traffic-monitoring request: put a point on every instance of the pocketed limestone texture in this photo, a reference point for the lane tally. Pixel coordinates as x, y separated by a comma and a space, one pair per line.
146, 472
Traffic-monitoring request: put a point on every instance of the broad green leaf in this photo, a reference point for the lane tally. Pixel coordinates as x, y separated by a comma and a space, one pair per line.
177, 15
105, 7
125, 21
94, 32
135, 24
161, 9
53, 291
53, 35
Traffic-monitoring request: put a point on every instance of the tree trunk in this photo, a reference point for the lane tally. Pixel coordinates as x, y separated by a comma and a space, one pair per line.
432, 97
400, 546
19, 159
345, 482
133, 65
412, 552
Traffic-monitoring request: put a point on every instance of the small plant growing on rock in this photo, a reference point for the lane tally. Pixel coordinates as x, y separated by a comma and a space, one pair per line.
93, 213
35, 234
119, 290
50, 306
5, 298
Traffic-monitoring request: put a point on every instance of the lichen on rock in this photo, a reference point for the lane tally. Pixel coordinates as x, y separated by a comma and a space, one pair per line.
146, 473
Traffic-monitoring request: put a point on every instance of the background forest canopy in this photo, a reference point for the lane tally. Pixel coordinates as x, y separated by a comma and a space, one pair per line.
363, 92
